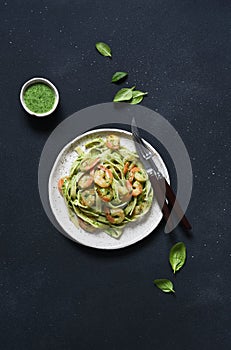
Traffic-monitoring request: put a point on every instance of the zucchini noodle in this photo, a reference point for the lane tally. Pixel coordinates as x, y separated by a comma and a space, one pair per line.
107, 187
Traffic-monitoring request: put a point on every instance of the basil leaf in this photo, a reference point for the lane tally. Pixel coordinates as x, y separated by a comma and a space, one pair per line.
104, 49
137, 93
137, 96
165, 285
118, 76
124, 94
177, 256
136, 100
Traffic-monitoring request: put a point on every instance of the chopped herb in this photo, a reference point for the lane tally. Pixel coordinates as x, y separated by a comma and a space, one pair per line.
39, 98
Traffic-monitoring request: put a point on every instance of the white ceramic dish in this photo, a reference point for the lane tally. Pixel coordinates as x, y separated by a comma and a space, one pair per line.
34, 81
133, 232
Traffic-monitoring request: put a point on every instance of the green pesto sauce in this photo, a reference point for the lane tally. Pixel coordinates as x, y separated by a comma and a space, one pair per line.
39, 98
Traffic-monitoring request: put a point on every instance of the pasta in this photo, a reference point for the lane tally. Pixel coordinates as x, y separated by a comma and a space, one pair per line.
107, 187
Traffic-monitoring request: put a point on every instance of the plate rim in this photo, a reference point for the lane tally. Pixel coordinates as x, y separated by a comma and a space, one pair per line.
60, 154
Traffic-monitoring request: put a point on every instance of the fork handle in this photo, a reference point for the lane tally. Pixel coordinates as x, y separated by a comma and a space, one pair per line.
159, 193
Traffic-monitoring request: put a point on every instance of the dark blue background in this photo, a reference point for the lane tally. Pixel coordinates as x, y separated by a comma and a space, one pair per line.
56, 294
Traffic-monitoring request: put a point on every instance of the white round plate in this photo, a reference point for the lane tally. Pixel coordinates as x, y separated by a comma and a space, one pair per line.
133, 232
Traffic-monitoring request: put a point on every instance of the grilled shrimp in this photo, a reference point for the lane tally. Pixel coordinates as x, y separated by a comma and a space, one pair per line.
60, 184
126, 166
113, 142
103, 176
125, 192
115, 216
106, 194
137, 188
88, 197
141, 175
85, 181
139, 209
131, 173
137, 174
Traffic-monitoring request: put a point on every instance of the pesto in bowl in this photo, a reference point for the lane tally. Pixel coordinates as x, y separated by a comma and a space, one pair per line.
39, 97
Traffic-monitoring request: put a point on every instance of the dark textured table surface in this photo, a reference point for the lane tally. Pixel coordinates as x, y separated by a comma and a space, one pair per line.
56, 294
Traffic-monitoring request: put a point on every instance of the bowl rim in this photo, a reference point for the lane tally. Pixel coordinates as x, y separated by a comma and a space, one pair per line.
39, 80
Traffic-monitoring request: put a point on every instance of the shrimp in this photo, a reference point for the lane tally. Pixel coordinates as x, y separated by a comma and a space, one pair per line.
115, 216
137, 173
103, 176
113, 142
125, 192
86, 226
60, 184
140, 208
85, 181
88, 164
106, 194
141, 175
125, 170
132, 165
88, 197
137, 188
132, 172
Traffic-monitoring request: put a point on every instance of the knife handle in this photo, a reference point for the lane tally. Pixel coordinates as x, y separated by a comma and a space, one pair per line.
171, 197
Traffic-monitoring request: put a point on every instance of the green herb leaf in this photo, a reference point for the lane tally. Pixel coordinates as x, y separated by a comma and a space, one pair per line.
136, 100
165, 285
104, 49
118, 76
124, 94
177, 256
137, 96
137, 93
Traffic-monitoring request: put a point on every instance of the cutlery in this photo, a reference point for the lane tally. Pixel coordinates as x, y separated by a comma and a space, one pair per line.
163, 192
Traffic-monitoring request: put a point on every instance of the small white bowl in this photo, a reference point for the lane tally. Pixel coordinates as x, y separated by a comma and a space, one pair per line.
44, 81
